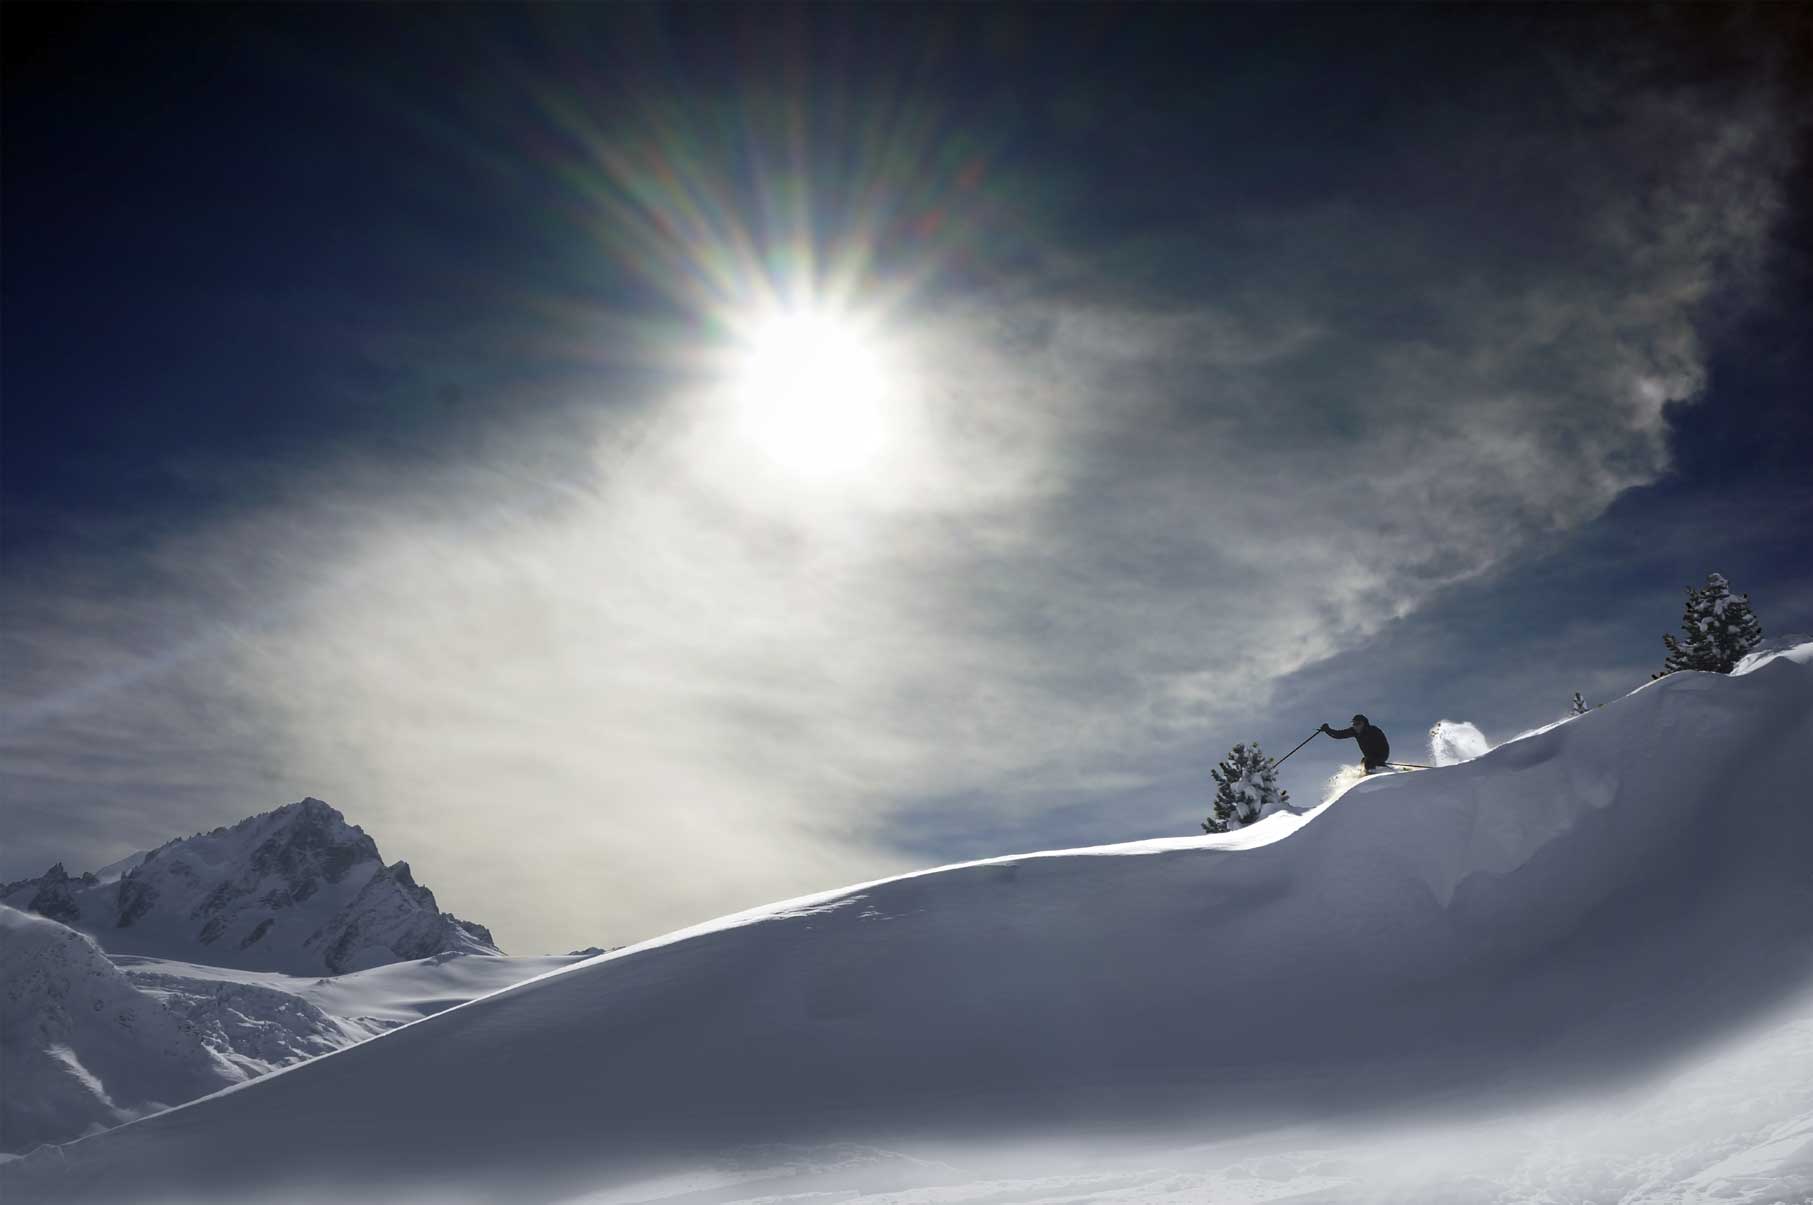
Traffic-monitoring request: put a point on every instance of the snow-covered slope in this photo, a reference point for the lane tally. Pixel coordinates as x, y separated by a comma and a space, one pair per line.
262, 1020
297, 890
80, 1047
88, 1041
1578, 909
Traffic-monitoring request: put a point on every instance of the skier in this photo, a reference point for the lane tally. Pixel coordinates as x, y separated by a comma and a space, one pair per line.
1374, 748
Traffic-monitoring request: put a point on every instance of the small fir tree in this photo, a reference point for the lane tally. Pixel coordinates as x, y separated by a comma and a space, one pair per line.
1246, 790
1718, 628
1578, 706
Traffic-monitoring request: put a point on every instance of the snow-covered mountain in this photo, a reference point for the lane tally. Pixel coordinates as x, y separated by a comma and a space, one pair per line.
93, 1039
88, 1041
297, 890
81, 1048
1578, 967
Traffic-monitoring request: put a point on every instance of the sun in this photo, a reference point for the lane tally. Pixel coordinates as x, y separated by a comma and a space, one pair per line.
811, 394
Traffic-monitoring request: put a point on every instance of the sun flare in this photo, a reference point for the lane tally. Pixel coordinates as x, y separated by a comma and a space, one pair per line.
810, 392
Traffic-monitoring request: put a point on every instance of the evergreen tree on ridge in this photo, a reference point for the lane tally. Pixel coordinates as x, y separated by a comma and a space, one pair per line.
1718, 628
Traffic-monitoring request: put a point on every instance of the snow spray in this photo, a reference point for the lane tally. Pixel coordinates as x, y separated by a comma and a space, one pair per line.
1454, 741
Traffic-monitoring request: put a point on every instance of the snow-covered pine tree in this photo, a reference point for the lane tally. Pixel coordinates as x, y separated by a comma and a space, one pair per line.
1578, 706
1246, 789
1718, 628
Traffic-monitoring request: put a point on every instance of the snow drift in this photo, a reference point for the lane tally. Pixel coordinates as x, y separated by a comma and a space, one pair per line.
1575, 907
88, 1041
80, 1047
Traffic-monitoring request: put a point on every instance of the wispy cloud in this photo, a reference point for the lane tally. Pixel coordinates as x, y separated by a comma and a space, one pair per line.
612, 675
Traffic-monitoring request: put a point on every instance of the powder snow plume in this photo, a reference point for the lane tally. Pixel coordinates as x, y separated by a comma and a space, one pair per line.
1341, 780
1454, 741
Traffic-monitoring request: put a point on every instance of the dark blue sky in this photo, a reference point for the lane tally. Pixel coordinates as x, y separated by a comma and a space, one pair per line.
1281, 362
204, 202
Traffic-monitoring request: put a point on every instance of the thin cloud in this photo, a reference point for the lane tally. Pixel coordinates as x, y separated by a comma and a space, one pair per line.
610, 678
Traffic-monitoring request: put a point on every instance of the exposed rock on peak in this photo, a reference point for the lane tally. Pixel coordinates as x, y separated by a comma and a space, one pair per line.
310, 839
52, 894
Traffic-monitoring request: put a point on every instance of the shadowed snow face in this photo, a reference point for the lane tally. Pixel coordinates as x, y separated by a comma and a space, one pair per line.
1494, 950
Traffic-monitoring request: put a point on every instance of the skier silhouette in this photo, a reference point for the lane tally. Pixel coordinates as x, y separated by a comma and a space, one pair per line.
1374, 748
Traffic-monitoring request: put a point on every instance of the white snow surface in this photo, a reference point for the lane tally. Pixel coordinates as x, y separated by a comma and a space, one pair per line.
324, 1013
1576, 968
1792, 647
81, 1049
84, 1034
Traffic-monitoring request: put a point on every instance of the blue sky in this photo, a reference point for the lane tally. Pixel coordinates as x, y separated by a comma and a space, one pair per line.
365, 428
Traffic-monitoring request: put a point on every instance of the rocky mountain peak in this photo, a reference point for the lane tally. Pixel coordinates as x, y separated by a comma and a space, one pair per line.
297, 888
54, 897
310, 838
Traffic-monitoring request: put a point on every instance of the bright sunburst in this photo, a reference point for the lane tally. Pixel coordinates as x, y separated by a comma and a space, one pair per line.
795, 277
810, 394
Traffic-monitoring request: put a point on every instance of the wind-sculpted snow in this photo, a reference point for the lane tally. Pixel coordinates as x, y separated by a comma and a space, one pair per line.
246, 1008
1566, 915
80, 1048
254, 1026
84, 1034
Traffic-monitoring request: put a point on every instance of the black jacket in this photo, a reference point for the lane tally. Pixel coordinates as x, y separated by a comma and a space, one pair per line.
1374, 748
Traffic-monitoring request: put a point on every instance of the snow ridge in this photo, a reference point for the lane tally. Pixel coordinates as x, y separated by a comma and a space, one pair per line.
1571, 910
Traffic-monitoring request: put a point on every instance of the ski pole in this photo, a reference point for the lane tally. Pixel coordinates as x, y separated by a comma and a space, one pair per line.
1306, 740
